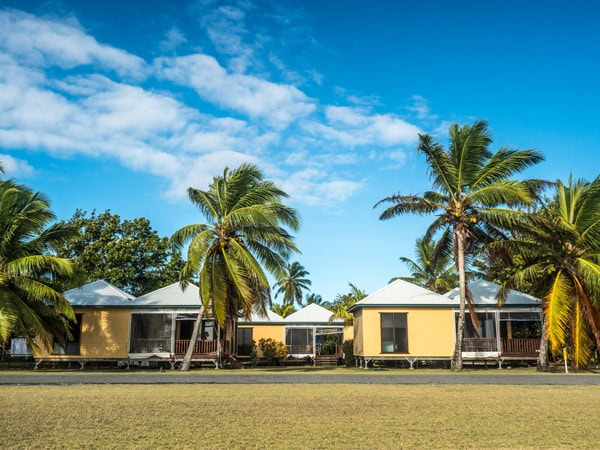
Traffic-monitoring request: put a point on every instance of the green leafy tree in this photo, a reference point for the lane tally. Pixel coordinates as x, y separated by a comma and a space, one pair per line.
244, 235
472, 197
283, 310
292, 283
560, 250
433, 268
126, 253
29, 306
273, 350
343, 302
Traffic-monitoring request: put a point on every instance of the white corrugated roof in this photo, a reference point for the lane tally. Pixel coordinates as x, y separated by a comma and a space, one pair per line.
484, 293
259, 318
403, 293
170, 296
312, 313
98, 293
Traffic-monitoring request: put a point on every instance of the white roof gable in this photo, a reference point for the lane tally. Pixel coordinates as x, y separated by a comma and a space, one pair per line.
98, 293
403, 293
170, 296
311, 313
259, 318
484, 293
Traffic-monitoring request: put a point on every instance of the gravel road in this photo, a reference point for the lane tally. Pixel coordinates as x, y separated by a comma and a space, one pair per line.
167, 377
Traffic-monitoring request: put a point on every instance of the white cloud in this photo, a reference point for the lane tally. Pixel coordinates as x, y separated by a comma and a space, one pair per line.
276, 104
173, 39
199, 171
421, 107
99, 111
352, 126
16, 167
45, 43
318, 188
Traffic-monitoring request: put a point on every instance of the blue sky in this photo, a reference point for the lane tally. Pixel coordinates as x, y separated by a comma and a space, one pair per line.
123, 105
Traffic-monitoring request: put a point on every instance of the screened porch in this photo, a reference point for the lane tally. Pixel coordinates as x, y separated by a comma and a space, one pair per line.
168, 335
506, 334
312, 341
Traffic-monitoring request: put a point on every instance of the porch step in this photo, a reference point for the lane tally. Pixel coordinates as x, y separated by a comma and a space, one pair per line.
326, 360
233, 361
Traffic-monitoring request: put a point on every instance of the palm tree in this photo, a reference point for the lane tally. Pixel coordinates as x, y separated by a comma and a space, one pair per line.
29, 306
343, 302
472, 195
317, 299
433, 269
560, 247
243, 236
283, 310
292, 283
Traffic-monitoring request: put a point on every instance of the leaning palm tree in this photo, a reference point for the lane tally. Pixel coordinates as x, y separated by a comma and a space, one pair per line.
29, 306
244, 235
292, 283
560, 247
433, 268
472, 195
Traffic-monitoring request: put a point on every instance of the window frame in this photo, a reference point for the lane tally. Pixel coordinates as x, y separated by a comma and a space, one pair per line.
396, 340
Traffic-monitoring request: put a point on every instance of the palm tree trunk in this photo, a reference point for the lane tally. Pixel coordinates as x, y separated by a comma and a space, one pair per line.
187, 359
542, 361
457, 362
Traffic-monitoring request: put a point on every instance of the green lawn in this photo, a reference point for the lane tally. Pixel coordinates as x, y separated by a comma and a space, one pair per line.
299, 416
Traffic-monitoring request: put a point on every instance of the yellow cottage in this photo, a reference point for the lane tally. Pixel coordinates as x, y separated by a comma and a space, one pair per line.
112, 325
102, 327
307, 333
403, 321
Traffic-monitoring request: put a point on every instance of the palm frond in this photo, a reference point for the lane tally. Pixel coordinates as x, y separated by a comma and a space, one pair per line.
558, 310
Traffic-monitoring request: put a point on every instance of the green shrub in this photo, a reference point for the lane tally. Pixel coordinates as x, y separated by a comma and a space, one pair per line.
348, 347
273, 350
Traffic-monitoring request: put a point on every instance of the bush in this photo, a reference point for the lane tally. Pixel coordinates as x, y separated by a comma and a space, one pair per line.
273, 350
348, 347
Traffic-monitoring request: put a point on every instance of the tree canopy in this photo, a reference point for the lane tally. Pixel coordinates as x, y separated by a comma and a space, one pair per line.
560, 252
126, 253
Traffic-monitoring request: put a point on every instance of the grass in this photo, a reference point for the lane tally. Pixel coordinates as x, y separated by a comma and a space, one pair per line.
299, 416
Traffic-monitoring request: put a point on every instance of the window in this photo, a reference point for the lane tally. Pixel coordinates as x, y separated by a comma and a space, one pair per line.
66, 346
394, 333
244, 341
299, 340
487, 325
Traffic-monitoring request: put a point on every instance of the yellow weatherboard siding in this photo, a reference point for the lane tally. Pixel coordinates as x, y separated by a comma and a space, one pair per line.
266, 331
358, 333
430, 332
104, 334
348, 332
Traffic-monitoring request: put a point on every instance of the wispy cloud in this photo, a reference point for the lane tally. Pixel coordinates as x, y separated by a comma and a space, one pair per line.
277, 104
353, 126
108, 103
16, 167
45, 43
